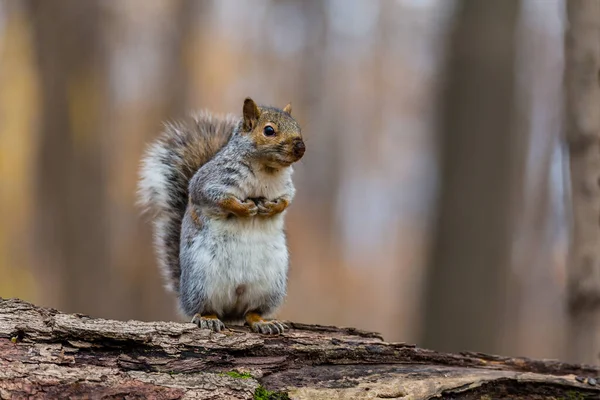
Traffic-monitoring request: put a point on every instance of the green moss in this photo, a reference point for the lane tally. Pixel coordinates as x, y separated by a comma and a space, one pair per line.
573, 395
237, 375
263, 394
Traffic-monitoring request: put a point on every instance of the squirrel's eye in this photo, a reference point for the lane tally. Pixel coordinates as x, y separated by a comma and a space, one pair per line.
269, 131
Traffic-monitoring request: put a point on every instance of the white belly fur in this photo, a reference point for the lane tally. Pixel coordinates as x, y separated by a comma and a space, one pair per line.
248, 253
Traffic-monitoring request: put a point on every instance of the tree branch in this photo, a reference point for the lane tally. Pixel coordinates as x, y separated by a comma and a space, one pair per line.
47, 354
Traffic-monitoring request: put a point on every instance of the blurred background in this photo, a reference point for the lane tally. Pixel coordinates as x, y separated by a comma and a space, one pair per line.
431, 202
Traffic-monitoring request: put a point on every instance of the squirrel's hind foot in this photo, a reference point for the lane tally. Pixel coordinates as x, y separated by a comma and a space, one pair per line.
267, 327
208, 322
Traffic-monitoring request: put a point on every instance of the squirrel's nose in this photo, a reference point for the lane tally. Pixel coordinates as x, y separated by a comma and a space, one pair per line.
299, 148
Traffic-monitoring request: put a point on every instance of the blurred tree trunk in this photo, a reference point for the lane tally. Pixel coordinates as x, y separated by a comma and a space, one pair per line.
70, 191
536, 291
86, 249
582, 58
469, 264
319, 103
137, 286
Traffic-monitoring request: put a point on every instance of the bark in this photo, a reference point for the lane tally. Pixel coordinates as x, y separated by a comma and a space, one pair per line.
465, 303
582, 69
48, 354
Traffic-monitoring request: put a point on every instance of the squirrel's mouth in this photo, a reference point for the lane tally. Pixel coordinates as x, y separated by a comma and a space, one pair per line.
293, 157
281, 162
284, 160
284, 163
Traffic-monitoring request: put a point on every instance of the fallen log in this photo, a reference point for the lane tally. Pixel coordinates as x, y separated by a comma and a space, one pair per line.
48, 354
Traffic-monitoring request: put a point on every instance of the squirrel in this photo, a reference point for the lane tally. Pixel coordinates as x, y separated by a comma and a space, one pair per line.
217, 187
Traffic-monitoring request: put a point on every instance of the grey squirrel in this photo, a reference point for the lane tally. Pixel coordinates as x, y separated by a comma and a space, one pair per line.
217, 187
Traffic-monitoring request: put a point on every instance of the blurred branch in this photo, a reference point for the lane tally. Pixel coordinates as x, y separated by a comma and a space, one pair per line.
49, 354
582, 69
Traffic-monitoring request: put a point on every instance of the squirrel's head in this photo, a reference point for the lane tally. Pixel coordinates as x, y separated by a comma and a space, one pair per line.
274, 133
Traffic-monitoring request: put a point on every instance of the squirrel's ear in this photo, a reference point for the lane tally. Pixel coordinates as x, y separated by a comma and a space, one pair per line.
251, 114
288, 108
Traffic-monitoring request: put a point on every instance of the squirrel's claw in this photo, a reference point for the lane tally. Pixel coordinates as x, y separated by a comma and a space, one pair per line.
272, 207
251, 207
260, 325
271, 327
208, 322
266, 208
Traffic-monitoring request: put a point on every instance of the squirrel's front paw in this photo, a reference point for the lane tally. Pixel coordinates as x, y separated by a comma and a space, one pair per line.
270, 208
251, 209
237, 207
208, 322
267, 327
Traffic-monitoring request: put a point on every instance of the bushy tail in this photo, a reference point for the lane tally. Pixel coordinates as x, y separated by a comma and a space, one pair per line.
167, 167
